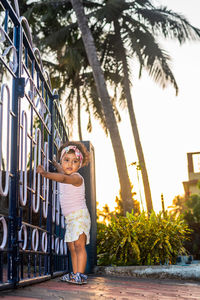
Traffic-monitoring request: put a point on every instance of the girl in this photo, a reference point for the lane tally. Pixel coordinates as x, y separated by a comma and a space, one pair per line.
73, 156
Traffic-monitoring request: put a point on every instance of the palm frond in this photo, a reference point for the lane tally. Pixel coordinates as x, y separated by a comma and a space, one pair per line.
115, 109
151, 57
95, 105
164, 22
70, 107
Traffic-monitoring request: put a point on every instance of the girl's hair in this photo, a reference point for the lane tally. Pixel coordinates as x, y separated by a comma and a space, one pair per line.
82, 149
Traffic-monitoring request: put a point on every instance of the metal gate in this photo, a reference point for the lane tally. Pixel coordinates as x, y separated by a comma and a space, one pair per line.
32, 129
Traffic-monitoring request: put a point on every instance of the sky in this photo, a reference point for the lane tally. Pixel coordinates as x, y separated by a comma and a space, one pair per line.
168, 124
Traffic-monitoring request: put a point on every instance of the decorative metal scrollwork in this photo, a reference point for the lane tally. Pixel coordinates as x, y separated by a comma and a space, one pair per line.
12, 64
46, 182
57, 138
61, 247
16, 7
57, 245
24, 230
37, 161
44, 242
62, 221
35, 239
5, 233
58, 205
52, 242
65, 248
2, 34
4, 191
23, 160
25, 21
37, 52
54, 202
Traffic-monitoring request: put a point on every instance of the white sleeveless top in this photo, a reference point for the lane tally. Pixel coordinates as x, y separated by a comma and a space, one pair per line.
72, 198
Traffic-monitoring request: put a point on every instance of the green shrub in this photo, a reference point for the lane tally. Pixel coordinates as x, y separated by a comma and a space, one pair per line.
139, 240
192, 217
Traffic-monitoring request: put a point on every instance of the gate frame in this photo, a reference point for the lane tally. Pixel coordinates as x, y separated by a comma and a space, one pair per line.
20, 39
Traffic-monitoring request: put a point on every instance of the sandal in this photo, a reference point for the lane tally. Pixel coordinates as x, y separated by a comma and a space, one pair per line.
78, 278
67, 277
83, 278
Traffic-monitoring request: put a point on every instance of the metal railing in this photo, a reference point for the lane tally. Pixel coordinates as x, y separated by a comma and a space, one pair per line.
32, 129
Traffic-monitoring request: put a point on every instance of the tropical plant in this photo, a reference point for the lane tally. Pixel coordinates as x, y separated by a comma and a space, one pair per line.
178, 206
141, 240
104, 215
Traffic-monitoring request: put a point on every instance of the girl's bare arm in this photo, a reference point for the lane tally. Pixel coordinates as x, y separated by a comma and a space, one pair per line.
74, 179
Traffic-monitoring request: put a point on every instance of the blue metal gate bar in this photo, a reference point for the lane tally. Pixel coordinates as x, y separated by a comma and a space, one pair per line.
32, 243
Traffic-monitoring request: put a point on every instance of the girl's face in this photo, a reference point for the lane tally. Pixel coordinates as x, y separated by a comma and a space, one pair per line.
70, 163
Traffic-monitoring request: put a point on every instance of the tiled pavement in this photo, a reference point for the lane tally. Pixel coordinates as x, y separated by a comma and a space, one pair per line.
101, 287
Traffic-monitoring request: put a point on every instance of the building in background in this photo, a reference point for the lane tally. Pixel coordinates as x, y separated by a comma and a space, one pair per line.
191, 186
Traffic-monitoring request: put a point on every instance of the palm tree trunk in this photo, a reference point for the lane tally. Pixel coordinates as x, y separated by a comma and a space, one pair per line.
106, 104
147, 190
79, 113
133, 121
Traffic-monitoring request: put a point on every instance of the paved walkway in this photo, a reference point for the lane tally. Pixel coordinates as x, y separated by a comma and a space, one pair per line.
102, 287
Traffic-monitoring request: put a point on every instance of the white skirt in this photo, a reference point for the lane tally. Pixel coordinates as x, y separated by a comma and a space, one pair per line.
77, 222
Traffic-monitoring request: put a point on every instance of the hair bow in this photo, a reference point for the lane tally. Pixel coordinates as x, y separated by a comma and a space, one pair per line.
77, 152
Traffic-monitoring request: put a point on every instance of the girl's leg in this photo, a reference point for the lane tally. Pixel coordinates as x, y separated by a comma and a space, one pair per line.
81, 253
72, 250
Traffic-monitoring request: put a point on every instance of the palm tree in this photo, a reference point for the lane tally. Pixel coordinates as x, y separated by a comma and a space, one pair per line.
133, 29
106, 104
